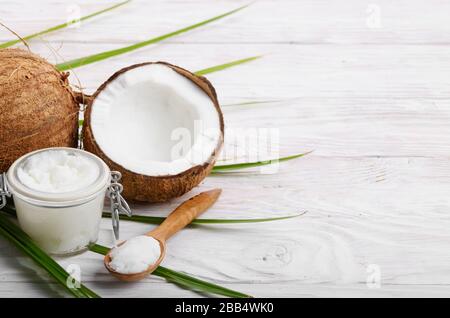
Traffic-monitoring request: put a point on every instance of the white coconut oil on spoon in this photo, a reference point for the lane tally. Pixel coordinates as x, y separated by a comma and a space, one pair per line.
138, 257
135, 255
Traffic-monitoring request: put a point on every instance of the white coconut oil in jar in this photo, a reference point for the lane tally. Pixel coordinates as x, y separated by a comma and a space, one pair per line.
59, 194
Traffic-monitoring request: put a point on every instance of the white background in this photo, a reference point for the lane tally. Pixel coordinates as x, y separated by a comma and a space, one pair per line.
365, 84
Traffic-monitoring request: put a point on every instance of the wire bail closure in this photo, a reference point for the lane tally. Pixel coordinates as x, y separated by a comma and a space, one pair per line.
118, 203
4, 192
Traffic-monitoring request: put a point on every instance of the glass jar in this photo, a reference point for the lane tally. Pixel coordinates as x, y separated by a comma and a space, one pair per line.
62, 223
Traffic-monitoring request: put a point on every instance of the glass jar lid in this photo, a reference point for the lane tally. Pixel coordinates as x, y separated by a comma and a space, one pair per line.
30, 188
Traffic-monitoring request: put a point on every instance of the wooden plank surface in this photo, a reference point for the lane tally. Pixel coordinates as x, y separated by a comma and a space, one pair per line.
364, 84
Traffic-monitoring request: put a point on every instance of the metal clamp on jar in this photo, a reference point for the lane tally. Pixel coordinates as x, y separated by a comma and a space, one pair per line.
62, 220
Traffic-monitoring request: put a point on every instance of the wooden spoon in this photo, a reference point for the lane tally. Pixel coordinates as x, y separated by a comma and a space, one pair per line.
178, 219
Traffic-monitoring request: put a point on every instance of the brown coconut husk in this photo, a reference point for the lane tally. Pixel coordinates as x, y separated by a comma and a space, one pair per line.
162, 188
37, 106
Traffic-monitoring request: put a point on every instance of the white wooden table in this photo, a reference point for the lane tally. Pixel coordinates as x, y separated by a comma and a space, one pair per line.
363, 83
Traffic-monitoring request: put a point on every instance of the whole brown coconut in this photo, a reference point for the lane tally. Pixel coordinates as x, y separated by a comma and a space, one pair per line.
37, 106
138, 187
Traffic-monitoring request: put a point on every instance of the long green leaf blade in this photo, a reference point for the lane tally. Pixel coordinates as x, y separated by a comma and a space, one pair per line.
107, 54
183, 279
246, 165
158, 220
99, 249
63, 25
22, 241
226, 65
255, 102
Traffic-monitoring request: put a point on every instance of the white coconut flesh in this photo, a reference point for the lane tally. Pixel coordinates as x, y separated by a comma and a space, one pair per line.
153, 121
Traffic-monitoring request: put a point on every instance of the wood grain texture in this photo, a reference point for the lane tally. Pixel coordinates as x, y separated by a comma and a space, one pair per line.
371, 98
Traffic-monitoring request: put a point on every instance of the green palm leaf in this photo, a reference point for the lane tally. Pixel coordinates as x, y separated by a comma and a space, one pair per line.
255, 102
183, 279
107, 54
158, 220
246, 165
226, 65
10, 209
23, 242
62, 26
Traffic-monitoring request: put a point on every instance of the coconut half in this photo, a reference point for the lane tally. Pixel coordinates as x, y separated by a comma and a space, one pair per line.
159, 125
